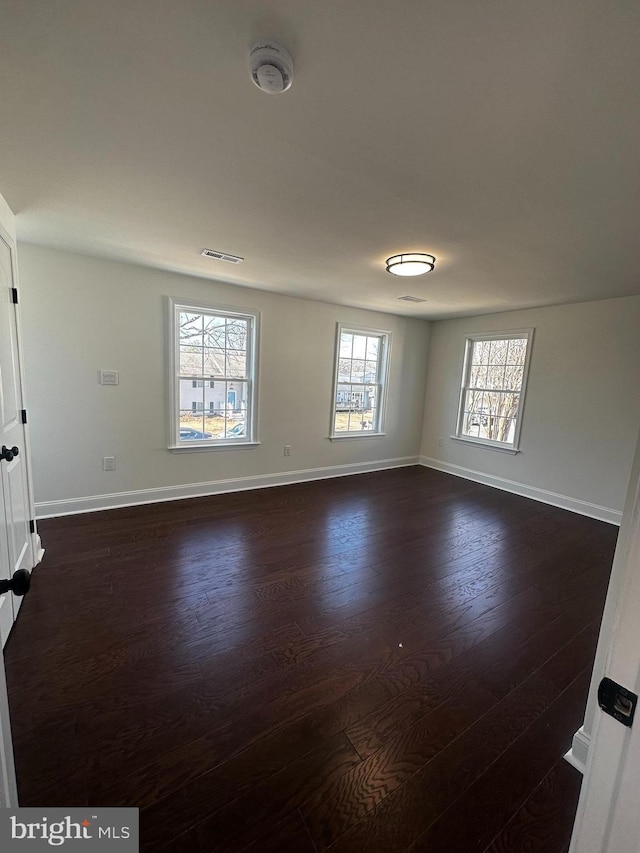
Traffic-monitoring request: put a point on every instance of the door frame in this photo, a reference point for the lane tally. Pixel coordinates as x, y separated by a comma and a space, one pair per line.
8, 785
8, 235
608, 818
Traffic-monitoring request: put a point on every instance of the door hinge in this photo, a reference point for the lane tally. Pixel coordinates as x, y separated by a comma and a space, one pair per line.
32, 525
14, 295
616, 700
23, 413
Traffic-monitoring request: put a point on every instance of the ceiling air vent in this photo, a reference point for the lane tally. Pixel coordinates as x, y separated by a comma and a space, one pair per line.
411, 299
221, 256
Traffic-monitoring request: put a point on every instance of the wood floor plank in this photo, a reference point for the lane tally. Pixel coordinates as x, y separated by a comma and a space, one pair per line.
407, 813
543, 823
346, 664
409, 752
236, 822
470, 823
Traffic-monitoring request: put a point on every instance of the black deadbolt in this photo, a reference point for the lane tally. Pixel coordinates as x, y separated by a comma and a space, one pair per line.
616, 700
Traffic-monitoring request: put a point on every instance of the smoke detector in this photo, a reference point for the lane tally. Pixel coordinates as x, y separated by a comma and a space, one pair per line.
271, 67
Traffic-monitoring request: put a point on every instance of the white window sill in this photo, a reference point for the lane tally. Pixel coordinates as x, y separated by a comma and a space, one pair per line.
199, 448
488, 445
356, 435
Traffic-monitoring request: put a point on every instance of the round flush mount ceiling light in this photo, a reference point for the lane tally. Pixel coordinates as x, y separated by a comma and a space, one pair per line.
411, 263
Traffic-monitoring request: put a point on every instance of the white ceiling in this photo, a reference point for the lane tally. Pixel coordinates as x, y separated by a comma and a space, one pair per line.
502, 136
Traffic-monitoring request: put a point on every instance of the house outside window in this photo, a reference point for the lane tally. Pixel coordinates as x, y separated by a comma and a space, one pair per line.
360, 382
213, 375
494, 381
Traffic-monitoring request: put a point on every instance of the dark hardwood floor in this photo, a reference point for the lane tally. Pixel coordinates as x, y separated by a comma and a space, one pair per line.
386, 662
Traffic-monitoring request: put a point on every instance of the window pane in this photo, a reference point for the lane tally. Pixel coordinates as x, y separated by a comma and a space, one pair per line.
370, 419
490, 415
474, 401
480, 352
513, 377
213, 362
346, 345
357, 370
478, 378
236, 364
344, 370
358, 390
341, 422
490, 401
517, 351
348, 397
237, 334
190, 328
371, 371
215, 422
214, 397
349, 400
214, 331
191, 412
213, 345
495, 376
471, 425
373, 349
356, 408
190, 395
506, 405
370, 416
235, 428
498, 352
190, 361
476, 414
359, 346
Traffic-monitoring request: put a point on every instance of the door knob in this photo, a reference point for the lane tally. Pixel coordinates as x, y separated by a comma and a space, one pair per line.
8, 453
19, 583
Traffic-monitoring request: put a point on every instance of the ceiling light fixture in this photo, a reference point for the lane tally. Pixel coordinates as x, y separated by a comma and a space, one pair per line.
412, 263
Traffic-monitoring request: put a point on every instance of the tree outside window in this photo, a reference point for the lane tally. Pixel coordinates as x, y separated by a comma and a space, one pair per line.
493, 387
213, 387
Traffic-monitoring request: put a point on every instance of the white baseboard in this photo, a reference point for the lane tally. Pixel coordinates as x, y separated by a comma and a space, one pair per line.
602, 513
577, 755
38, 549
94, 503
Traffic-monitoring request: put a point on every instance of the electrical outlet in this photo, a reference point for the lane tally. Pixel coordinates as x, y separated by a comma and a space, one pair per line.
109, 463
287, 450
439, 442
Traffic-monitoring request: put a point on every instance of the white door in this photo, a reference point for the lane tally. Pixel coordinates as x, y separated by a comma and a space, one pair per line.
15, 519
608, 818
19, 543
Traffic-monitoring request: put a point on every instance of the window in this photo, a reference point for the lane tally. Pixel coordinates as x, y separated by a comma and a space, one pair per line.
214, 367
360, 382
493, 386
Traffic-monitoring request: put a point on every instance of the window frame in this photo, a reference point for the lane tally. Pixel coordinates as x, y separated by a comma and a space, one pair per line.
250, 439
501, 335
383, 380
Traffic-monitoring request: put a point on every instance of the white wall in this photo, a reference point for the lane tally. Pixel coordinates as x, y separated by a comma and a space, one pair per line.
81, 314
582, 409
